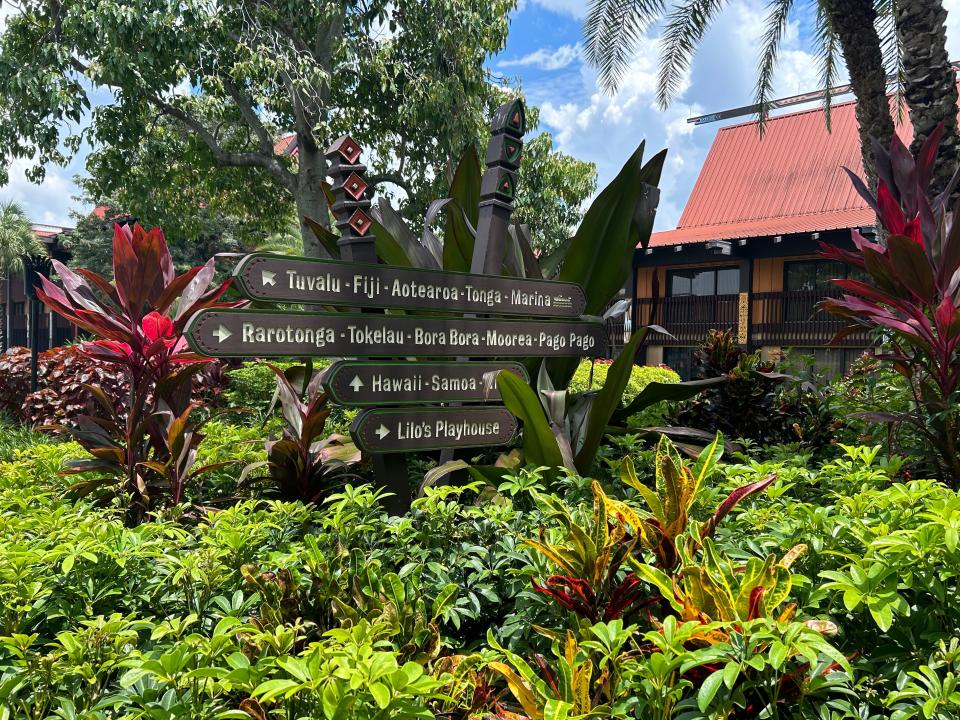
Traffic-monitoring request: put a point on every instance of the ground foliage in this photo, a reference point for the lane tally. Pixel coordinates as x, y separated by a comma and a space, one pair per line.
278, 609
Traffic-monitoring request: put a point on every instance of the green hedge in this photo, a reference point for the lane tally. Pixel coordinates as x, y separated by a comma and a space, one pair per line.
640, 377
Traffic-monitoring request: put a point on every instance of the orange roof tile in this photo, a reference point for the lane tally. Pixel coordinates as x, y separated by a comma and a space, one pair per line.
791, 180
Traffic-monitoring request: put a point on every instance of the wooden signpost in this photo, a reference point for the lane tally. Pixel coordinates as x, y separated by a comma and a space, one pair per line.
277, 278
397, 430
273, 333
362, 383
367, 314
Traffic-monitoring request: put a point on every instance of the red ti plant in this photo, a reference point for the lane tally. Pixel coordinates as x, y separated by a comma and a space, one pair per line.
138, 323
911, 293
302, 463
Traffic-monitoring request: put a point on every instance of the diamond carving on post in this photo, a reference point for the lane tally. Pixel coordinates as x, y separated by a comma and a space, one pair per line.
359, 222
348, 148
355, 186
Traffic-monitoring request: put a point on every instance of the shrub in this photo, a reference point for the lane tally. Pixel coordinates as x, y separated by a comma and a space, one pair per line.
640, 377
909, 293
146, 450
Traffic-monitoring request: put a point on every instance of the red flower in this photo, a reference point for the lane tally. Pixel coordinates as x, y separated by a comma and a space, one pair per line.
156, 326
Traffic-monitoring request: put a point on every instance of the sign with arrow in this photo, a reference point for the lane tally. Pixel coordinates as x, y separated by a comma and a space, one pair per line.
265, 333
280, 278
359, 383
390, 430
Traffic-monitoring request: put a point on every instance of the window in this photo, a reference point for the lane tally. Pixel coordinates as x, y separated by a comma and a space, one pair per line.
703, 282
19, 309
811, 274
806, 282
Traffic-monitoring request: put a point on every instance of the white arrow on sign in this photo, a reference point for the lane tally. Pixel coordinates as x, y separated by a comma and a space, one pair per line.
381, 432
356, 383
268, 277
221, 333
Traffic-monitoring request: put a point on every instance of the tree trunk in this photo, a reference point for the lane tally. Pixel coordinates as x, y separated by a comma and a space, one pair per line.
853, 22
311, 202
930, 87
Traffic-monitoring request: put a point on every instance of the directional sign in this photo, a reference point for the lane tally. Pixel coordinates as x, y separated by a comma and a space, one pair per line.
357, 383
265, 333
386, 430
281, 278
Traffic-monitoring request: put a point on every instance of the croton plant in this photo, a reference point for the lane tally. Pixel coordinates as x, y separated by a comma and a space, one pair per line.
137, 322
910, 292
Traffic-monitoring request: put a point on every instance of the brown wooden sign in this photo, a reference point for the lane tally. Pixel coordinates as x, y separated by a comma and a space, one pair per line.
271, 333
280, 278
360, 383
390, 430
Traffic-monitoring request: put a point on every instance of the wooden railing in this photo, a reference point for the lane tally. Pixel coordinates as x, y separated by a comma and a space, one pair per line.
690, 318
793, 319
782, 319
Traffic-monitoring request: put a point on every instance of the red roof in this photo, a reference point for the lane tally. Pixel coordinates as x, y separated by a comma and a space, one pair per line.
286, 145
791, 180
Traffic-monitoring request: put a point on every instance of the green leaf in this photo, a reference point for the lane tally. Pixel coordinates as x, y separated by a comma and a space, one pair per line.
606, 403
672, 392
381, 694
445, 600
463, 212
388, 248
539, 444
709, 689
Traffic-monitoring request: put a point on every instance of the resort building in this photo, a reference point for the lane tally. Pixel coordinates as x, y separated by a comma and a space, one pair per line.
744, 255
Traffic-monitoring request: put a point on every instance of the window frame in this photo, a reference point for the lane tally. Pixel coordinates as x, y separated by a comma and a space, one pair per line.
713, 268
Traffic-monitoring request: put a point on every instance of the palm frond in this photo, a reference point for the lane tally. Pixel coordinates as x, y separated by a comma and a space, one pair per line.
686, 24
611, 31
776, 24
827, 49
17, 239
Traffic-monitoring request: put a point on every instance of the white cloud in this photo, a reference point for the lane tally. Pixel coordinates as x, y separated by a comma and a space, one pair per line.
49, 203
545, 58
606, 128
573, 8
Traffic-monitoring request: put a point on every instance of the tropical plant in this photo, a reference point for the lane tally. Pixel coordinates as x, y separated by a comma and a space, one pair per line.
590, 558
139, 320
910, 294
564, 431
750, 405
303, 464
676, 489
908, 38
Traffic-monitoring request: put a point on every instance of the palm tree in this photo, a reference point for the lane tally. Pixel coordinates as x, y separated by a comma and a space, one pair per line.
868, 41
930, 86
17, 242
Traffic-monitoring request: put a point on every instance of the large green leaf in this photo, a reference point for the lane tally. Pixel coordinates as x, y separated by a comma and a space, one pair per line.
388, 249
673, 392
600, 255
606, 403
539, 444
463, 212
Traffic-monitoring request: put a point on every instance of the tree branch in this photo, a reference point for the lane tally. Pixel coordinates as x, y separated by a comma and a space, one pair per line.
394, 178
245, 105
269, 162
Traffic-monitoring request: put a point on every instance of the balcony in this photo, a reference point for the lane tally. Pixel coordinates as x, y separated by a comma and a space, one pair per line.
783, 319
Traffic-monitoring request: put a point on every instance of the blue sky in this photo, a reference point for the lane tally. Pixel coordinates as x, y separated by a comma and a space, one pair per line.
543, 56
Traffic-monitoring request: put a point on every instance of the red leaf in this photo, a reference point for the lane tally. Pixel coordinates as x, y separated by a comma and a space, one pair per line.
755, 607
733, 498
890, 215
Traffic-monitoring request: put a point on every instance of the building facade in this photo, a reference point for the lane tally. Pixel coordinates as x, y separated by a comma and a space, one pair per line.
53, 329
745, 253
